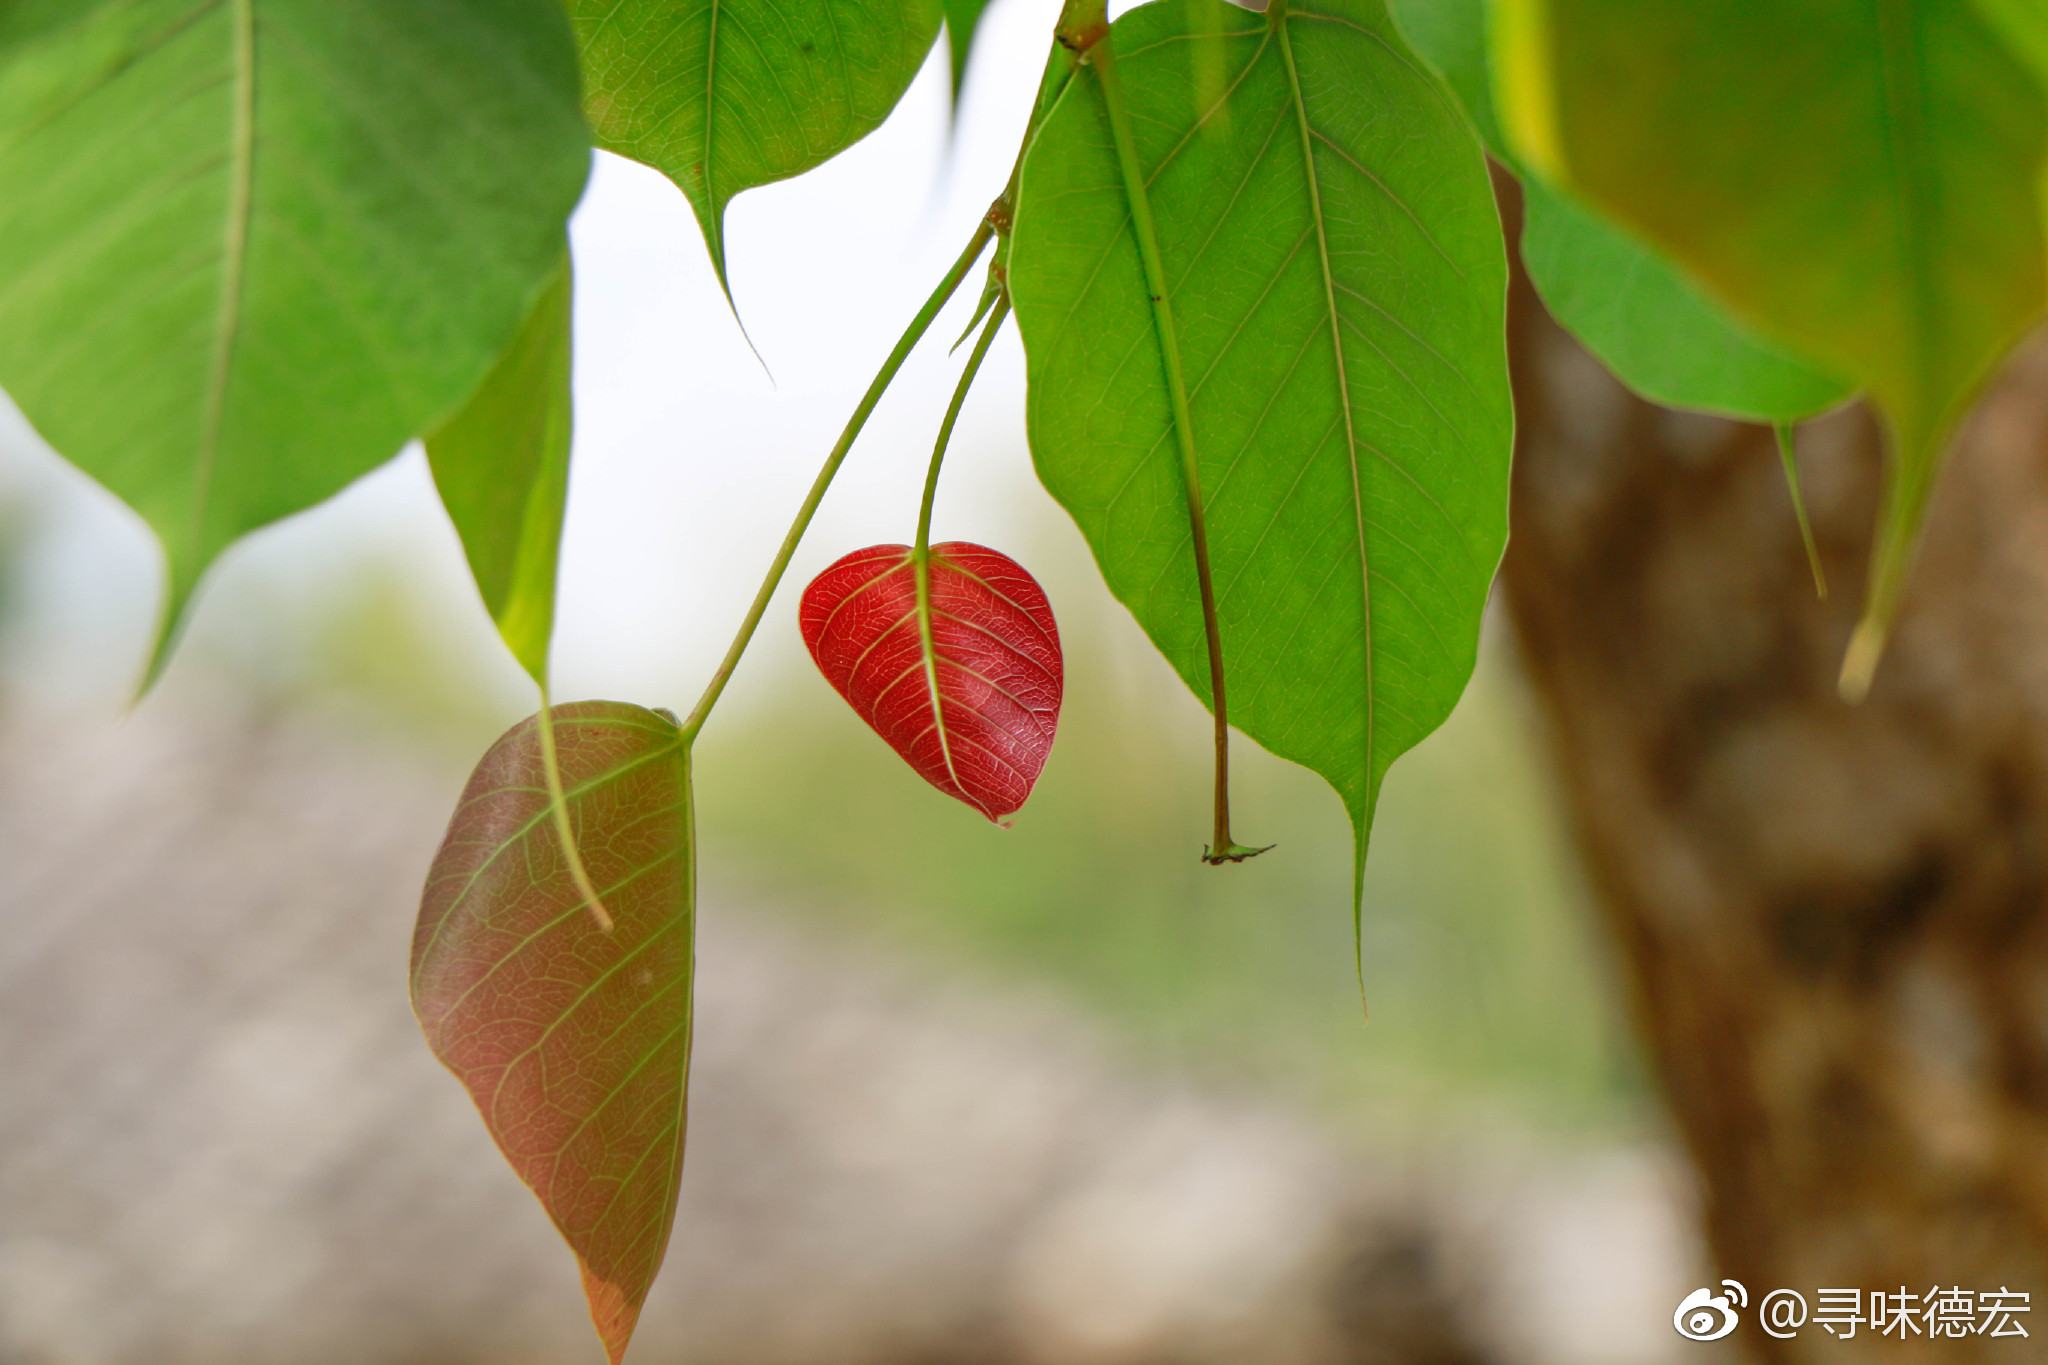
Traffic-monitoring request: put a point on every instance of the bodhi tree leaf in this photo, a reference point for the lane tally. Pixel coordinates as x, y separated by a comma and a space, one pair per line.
1654, 327
1335, 266
967, 693
1634, 309
962, 19
1857, 177
725, 95
573, 1040
249, 248
2024, 26
502, 467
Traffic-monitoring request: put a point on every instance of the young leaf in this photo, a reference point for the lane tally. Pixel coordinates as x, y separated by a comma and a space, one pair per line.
725, 95
249, 248
502, 466
1634, 309
1335, 268
968, 691
574, 1041
1858, 177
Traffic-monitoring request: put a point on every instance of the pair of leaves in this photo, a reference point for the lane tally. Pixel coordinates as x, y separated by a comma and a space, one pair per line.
1859, 179
1329, 242
574, 1041
249, 248
1636, 310
963, 679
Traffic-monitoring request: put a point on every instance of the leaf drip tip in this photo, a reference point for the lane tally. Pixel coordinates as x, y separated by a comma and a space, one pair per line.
1859, 664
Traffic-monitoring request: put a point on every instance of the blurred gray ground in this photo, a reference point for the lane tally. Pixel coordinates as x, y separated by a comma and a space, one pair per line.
221, 1137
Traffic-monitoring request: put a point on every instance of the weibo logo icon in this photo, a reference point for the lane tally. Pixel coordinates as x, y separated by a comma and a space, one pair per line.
1704, 1315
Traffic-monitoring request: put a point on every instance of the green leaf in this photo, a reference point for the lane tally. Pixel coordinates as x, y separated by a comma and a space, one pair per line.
725, 95
962, 18
2024, 26
249, 248
574, 1039
1652, 325
1858, 178
1451, 35
1336, 272
502, 465
1630, 306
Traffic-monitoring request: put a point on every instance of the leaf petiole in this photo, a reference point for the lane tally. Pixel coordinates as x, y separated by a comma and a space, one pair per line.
931, 478
1101, 54
921, 553
912, 334
1784, 431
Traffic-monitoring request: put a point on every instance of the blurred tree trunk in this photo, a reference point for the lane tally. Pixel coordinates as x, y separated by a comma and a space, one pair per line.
1831, 917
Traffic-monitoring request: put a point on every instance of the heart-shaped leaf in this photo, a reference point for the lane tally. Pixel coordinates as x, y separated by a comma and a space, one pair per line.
968, 691
574, 1040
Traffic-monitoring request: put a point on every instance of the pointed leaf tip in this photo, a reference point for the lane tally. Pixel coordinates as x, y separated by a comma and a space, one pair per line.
574, 1043
995, 672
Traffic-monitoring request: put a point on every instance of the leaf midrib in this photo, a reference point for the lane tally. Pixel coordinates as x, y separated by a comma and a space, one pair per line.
1315, 194
716, 218
234, 260
545, 813
1899, 73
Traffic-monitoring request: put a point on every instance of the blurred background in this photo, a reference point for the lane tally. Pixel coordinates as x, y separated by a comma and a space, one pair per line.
1053, 1094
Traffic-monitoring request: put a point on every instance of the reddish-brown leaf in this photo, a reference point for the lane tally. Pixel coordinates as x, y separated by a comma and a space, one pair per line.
573, 1041
976, 719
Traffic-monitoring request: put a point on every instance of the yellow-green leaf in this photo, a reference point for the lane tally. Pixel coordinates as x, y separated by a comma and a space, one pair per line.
502, 466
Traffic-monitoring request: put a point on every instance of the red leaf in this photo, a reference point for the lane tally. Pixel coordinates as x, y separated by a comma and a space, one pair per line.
573, 1041
994, 673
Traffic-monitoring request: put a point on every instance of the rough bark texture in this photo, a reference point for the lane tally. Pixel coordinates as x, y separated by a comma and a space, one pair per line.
1832, 916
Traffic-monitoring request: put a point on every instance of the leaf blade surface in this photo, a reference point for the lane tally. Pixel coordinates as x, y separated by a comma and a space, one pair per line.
722, 96
963, 20
574, 1042
975, 717
1338, 281
1651, 324
502, 468
249, 248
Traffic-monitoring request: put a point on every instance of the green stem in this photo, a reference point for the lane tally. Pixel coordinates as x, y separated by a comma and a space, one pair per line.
558, 804
904, 345
921, 553
1103, 56
1785, 453
931, 478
